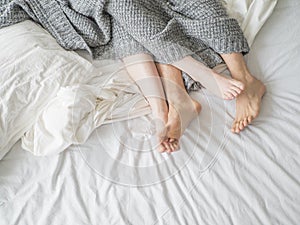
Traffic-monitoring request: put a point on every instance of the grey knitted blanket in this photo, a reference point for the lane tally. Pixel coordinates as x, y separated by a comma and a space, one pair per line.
169, 30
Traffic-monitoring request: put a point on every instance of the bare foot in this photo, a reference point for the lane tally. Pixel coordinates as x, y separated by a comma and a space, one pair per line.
182, 108
219, 85
248, 103
228, 88
143, 71
160, 117
180, 115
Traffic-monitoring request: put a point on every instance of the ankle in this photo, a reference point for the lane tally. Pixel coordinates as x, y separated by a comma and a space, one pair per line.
158, 106
185, 103
178, 100
244, 77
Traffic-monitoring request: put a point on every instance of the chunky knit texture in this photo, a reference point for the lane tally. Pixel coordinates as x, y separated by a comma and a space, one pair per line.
169, 30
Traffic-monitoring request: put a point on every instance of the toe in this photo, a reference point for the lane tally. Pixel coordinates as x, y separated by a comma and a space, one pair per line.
161, 148
241, 125
229, 96
237, 129
245, 122
172, 147
233, 128
233, 92
172, 140
237, 90
167, 146
238, 84
225, 96
177, 146
250, 118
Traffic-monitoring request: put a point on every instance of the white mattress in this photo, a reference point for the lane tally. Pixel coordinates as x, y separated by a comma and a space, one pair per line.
216, 178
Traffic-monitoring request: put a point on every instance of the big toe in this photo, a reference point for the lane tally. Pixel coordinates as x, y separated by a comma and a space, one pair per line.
237, 128
161, 148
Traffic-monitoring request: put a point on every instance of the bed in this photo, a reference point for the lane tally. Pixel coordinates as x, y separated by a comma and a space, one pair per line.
113, 177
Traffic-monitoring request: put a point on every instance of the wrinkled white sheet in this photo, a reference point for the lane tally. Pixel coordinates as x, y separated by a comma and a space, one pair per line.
251, 178
76, 111
33, 67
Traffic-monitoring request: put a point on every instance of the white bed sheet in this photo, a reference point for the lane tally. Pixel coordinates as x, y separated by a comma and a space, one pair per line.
221, 178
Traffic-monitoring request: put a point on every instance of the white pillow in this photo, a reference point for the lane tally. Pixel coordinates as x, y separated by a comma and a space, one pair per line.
251, 14
32, 69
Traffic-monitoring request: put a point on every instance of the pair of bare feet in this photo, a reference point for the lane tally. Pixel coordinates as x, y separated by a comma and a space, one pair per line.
176, 109
246, 89
181, 108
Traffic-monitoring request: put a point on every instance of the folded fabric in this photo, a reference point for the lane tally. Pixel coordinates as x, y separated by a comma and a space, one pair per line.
76, 111
33, 69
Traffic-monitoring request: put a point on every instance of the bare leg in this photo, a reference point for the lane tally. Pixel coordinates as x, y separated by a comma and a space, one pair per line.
143, 71
182, 108
248, 102
219, 85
